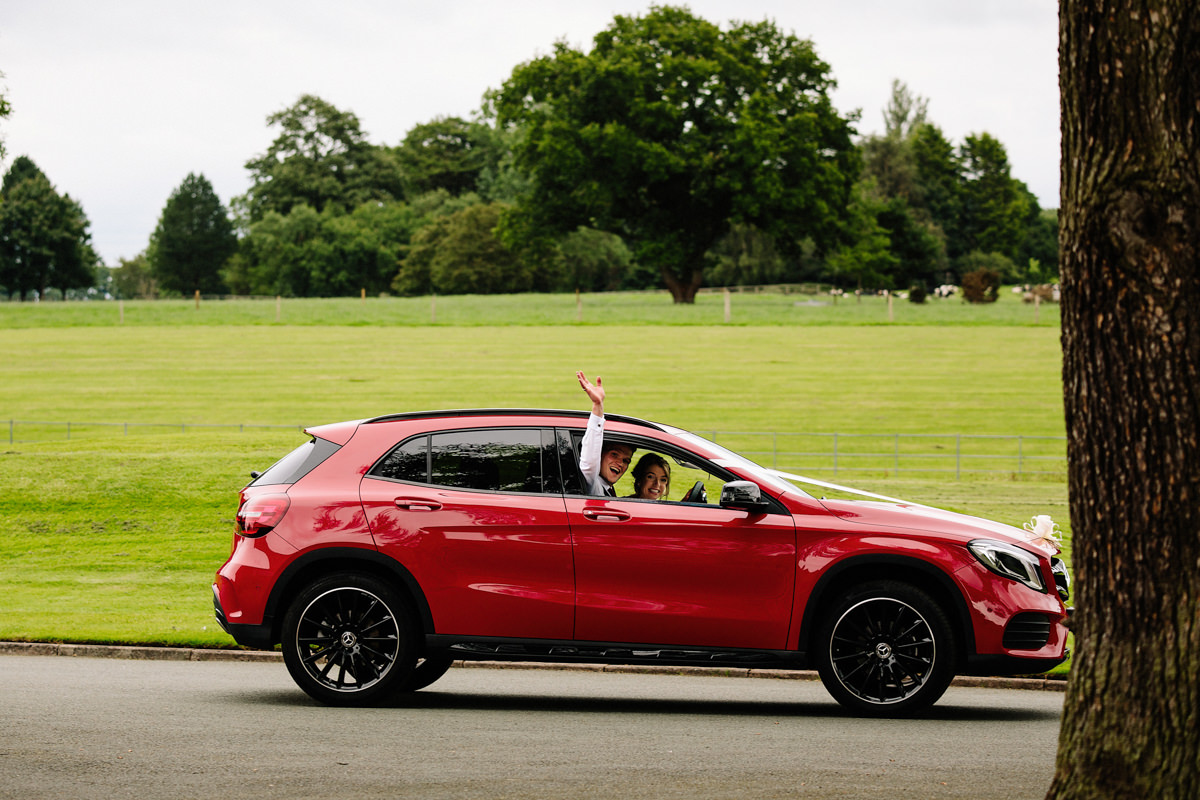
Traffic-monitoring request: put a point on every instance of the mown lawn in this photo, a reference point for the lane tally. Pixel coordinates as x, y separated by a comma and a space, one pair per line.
114, 534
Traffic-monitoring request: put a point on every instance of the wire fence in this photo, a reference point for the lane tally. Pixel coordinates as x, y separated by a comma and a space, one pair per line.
954, 454
910, 454
20, 431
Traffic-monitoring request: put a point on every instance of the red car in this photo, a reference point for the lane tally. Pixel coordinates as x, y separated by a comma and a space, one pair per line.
382, 550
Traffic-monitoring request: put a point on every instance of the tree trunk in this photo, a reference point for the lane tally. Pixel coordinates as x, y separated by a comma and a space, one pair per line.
683, 291
1129, 245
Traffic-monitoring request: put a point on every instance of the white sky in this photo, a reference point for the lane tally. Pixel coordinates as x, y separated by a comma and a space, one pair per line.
118, 101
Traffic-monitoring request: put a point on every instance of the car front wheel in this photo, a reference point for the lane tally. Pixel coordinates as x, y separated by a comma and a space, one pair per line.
886, 649
348, 640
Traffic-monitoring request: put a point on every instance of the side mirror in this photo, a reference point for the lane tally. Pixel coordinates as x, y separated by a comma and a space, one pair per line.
742, 494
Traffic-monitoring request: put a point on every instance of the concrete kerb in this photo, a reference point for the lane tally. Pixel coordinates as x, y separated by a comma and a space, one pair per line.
148, 653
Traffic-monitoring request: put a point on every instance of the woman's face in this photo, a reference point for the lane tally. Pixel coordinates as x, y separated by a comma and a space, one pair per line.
654, 484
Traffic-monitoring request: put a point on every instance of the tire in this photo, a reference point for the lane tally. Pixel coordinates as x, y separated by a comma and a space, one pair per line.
348, 640
428, 670
886, 649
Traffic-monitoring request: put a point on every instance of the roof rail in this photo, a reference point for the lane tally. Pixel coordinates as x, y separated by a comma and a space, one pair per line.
486, 412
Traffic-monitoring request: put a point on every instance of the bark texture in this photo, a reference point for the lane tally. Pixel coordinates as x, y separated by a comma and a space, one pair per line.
1129, 241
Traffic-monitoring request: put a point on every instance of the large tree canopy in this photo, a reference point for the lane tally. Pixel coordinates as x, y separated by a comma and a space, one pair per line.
671, 130
321, 156
1131, 366
446, 153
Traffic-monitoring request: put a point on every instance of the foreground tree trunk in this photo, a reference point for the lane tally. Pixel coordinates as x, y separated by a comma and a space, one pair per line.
1130, 240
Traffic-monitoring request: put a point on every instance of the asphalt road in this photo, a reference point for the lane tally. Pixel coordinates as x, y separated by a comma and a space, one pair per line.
110, 728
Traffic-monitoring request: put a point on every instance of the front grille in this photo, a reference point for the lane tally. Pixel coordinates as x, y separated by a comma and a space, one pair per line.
1027, 632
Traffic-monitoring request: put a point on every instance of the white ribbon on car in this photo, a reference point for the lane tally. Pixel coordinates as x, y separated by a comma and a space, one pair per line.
826, 485
1042, 529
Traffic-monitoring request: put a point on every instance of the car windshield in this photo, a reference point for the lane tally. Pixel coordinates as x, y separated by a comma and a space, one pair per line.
731, 460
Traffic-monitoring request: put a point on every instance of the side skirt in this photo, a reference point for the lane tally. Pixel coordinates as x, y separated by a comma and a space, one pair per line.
572, 652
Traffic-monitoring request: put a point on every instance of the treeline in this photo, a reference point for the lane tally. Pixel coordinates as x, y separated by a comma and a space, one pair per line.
673, 153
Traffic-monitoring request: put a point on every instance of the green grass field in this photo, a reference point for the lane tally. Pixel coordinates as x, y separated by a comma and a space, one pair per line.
607, 309
114, 536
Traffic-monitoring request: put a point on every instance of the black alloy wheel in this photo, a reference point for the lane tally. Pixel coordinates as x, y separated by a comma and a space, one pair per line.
887, 649
348, 640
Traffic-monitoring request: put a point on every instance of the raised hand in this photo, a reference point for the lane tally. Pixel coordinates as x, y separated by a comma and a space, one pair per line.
594, 391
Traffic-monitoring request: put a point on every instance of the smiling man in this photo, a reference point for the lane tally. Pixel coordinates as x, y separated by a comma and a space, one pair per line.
602, 463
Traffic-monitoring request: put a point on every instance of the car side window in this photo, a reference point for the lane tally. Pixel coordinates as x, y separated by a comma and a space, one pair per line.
686, 469
407, 462
488, 459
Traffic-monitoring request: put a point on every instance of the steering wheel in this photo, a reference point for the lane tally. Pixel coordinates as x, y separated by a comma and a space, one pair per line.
696, 494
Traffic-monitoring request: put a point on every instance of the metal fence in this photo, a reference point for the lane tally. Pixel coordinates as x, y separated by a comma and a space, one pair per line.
902, 453
25, 431
913, 454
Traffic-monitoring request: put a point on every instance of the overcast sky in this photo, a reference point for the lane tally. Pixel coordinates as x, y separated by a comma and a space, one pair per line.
118, 101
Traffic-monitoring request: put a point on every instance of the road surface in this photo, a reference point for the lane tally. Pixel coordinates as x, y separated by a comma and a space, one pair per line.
110, 728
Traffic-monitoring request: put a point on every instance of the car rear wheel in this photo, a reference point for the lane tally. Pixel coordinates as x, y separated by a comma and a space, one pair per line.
348, 640
886, 649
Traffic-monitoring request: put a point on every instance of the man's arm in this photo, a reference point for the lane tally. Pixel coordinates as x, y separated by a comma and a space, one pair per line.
592, 446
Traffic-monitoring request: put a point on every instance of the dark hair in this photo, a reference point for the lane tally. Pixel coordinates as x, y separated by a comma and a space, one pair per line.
645, 463
609, 444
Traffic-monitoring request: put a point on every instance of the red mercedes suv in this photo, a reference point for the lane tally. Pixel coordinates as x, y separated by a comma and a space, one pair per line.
382, 550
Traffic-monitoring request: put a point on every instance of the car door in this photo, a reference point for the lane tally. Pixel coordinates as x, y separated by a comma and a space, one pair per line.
478, 518
673, 573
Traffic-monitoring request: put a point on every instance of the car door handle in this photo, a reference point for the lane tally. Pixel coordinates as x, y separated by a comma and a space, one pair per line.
605, 514
416, 504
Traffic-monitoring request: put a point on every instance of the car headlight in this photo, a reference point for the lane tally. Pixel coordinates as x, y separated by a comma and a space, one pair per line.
1009, 561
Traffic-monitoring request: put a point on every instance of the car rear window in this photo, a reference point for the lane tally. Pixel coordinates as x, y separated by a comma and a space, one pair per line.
499, 460
298, 463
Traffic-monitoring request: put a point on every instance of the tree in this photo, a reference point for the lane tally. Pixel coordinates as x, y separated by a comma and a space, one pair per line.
280, 254
889, 159
1039, 242
22, 169
594, 261
320, 157
133, 278
993, 210
44, 239
1130, 245
866, 260
193, 240
919, 248
447, 153
747, 257
308, 253
670, 131
470, 258
938, 170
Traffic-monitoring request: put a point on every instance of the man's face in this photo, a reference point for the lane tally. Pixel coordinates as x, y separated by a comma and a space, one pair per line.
614, 462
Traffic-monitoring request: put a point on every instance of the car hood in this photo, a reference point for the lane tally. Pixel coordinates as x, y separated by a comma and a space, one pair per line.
881, 511
929, 520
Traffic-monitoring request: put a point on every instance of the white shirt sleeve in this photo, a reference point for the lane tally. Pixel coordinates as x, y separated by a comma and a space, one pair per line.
590, 451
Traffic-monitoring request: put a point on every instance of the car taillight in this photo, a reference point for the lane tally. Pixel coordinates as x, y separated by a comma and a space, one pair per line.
260, 514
